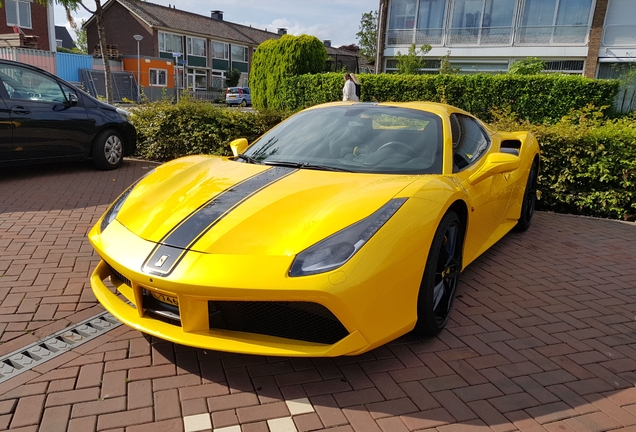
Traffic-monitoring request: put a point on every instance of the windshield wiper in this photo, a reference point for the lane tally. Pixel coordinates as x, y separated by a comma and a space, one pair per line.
305, 165
249, 159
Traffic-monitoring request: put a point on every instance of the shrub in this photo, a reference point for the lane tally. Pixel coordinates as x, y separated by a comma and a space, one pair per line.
277, 59
167, 131
588, 165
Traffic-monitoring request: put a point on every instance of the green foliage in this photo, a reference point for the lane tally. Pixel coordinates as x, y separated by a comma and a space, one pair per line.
588, 165
168, 131
536, 98
81, 41
232, 77
626, 98
278, 59
412, 61
445, 66
368, 34
528, 66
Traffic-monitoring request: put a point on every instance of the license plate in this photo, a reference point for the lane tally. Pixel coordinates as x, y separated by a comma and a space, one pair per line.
165, 298
232, 97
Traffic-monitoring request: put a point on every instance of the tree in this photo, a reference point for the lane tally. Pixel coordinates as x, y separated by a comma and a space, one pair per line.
81, 41
368, 35
529, 66
445, 66
277, 59
351, 47
232, 77
412, 62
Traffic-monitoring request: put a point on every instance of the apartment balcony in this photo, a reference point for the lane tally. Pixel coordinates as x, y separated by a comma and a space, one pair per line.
506, 36
480, 36
552, 35
415, 36
619, 35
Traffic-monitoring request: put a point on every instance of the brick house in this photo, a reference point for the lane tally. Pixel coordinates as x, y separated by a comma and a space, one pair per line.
208, 45
27, 24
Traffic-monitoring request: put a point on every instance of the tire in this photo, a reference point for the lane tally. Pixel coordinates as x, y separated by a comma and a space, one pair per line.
529, 199
441, 276
108, 150
243, 103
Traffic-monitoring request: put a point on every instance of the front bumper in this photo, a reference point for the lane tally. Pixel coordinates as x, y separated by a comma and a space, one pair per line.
373, 297
195, 331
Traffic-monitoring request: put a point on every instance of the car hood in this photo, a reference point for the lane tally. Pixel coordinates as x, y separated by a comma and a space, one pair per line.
283, 214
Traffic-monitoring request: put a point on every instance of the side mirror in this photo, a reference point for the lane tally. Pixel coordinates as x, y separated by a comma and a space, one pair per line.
496, 163
72, 99
238, 146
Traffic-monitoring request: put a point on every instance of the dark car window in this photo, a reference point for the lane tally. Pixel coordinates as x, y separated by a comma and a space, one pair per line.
246, 91
358, 138
25, 84
470, 141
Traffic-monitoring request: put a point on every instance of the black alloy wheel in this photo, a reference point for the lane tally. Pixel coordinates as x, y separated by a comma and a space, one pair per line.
529, 199
441, 276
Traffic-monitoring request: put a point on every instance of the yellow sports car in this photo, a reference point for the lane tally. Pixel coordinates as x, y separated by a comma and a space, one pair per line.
340, 229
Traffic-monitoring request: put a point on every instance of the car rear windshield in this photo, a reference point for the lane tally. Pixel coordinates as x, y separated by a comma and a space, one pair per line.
234, 90
357, 138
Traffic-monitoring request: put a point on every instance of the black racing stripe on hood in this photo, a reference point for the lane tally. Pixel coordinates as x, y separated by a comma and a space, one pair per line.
174, 245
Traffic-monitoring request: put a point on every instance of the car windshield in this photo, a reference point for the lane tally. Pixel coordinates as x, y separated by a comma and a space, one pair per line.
233, 90
358, 138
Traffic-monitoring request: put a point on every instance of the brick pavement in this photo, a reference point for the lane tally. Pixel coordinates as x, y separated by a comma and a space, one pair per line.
542, 338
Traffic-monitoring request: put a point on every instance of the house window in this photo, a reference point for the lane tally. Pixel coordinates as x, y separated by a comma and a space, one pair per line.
220, 50
170, 43
239, 53
196, 47
482, 22
416, 21
19, 13
59, 43
158, 77
555, 22
197, 79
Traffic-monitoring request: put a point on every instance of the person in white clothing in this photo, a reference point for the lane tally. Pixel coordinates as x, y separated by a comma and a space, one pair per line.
349, 89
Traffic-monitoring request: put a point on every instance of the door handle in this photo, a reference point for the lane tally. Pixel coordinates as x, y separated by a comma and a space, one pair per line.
20, 110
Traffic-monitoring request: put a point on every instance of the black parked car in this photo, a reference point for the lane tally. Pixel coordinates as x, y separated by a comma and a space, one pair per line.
44, 118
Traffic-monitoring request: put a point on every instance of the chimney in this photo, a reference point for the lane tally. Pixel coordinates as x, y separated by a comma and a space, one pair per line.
327, 43
282, 31
217, 15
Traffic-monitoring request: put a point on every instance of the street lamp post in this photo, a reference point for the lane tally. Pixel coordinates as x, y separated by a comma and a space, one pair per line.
138, 38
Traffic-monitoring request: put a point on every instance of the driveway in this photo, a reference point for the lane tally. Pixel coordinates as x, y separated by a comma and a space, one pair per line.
542, 337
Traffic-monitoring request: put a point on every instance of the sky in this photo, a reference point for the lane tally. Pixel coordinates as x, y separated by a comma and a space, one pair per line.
336, 20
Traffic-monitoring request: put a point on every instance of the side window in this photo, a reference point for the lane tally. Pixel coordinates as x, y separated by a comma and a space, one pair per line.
470, 141
25, 84
68, 91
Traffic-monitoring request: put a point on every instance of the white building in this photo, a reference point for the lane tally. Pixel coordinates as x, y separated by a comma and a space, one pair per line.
586, 37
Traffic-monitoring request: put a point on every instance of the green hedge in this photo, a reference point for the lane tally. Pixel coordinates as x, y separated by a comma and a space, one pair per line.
277, 59
588, 165
167, 131
536, 98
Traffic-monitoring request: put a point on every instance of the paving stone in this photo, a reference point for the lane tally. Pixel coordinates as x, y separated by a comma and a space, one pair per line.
537, 334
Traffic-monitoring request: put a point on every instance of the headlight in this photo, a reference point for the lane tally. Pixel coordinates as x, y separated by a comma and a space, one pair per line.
337, 249
124, 113
111, 213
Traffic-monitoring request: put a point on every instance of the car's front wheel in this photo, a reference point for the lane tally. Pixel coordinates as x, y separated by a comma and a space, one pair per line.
441, 276
108, 150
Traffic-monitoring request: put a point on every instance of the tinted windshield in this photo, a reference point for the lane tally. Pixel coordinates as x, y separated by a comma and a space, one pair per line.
357, 138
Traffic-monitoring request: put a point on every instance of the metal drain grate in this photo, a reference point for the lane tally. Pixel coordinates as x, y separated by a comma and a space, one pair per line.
13, 364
